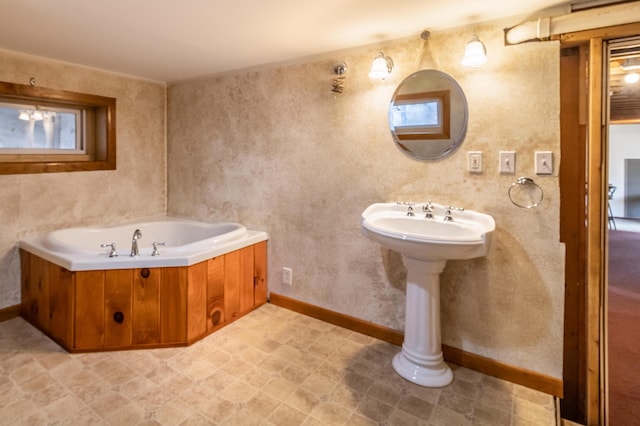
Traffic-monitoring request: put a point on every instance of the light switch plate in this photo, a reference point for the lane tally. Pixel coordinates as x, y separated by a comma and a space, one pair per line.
475, 161
544, 162
507, 162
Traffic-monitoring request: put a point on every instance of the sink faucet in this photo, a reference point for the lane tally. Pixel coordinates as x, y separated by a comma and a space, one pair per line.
134, 243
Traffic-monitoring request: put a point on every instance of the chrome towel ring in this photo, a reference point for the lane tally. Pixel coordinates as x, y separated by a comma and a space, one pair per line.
523, 182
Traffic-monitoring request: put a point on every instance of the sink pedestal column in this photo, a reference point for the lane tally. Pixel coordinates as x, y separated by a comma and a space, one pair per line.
421, 360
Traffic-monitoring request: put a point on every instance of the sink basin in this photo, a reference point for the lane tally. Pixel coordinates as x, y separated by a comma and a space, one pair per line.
466, 236
426, 245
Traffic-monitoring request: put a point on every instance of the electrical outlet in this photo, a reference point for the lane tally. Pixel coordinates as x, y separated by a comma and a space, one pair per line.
544, 162
287, 276
507, 162
475, 161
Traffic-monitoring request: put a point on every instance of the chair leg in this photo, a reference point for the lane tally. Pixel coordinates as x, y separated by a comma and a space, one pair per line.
612, 220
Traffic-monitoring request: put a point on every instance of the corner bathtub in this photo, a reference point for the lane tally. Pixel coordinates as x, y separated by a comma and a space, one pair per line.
185, 243
205, 277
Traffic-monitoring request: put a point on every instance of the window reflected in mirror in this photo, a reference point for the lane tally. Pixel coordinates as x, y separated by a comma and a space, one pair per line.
423, 115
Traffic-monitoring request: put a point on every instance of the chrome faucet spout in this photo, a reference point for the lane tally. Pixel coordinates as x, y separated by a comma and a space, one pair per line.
134, 243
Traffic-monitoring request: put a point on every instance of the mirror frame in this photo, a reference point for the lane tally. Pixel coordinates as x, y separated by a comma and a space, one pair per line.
416, 141
99, 138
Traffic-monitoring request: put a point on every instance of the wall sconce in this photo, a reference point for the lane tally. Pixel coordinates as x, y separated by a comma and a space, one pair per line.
381, 67
475, 54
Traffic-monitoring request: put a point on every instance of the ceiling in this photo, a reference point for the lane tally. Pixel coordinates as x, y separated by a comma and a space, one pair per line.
170, 40
624, 97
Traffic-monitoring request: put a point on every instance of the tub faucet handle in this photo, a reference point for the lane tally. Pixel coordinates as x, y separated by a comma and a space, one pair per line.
113, 252
155, 251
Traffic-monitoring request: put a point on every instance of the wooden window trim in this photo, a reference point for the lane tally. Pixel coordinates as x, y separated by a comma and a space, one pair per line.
99, 138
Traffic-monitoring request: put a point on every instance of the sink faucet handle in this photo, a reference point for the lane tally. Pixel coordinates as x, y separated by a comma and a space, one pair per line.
447, 212
113, 252
155, 251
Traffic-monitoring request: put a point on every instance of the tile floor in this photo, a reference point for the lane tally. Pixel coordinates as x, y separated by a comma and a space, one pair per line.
271, 367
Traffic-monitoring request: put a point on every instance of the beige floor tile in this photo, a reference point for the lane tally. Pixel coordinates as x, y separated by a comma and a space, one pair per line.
62, 408
279, 388
416, 407
485, 416
286, 415
303, 400
442, 416
330, 413
262, 404
238, 392
374, 409
271, 367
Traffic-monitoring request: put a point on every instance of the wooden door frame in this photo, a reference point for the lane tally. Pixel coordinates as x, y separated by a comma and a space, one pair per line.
593, 391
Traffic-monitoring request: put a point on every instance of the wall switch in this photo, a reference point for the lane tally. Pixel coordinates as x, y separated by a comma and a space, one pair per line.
287, 276
544, 162
475, 161
507, 162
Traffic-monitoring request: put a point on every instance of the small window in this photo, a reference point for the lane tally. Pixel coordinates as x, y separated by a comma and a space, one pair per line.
44, 130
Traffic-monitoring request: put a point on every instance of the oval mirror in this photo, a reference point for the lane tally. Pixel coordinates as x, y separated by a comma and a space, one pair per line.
428, 115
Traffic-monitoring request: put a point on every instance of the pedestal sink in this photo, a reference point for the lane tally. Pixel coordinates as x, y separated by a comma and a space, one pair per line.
426, 241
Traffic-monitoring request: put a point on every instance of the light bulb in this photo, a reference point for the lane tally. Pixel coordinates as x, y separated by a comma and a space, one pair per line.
631, 78
381, 67
475, 54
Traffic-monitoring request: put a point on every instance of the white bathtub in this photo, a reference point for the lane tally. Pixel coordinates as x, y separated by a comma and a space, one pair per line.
185, 243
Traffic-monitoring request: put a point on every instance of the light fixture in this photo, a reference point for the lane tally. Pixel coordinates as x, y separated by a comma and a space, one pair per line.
339, 69
381, 67
632, 77
475, 54
36, 115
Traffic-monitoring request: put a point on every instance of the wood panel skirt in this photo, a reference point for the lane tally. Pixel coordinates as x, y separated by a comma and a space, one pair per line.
143, 307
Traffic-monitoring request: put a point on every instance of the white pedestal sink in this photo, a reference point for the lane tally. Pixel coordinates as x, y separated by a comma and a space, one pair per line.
426, 245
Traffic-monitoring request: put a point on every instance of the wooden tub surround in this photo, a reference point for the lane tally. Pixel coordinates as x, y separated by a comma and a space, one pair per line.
144, 307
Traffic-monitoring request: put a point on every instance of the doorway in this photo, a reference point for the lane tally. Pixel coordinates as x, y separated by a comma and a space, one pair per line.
584, 218
623, 250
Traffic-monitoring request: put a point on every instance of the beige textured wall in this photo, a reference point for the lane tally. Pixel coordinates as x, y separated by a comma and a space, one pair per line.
37, 203
275, 149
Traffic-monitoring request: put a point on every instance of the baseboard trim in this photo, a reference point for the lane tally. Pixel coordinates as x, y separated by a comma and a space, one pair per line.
9, 312
521, 376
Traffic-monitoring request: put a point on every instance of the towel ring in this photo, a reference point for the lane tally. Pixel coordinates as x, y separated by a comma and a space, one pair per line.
523, 181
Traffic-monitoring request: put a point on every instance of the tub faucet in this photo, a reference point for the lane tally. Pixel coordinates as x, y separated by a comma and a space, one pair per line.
134, 243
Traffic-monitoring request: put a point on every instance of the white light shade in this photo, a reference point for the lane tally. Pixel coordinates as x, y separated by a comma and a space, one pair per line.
475, 54
381, 67
24, 115
631, 78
